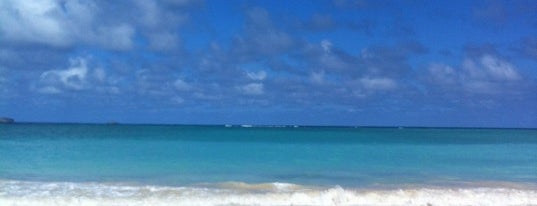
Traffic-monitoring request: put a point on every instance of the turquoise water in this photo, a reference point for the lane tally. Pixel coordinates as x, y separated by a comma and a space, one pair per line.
33, 155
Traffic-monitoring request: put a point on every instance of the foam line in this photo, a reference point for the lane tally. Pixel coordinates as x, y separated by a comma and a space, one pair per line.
19, 193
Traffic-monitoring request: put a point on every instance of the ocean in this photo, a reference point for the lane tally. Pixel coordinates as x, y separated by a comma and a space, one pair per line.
122, 165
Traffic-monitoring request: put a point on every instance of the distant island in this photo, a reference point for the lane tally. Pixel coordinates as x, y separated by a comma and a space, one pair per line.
6, 120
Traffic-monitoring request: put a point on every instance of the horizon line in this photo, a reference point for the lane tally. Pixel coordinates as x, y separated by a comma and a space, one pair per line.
248, 125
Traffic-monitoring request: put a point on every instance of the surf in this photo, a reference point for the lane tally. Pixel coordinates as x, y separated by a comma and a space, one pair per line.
22, 193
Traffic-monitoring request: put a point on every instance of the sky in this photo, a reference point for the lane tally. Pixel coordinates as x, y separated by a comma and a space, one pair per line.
341, 62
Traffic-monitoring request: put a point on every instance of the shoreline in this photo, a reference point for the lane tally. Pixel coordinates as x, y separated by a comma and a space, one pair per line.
287, 186
238, 193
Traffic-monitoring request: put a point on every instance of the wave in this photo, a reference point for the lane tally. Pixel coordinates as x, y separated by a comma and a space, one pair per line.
21, 193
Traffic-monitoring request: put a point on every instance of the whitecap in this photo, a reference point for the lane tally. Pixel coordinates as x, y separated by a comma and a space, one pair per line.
20, 193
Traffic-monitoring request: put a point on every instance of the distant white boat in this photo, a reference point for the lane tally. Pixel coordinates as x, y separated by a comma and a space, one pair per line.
228, 125
246, 125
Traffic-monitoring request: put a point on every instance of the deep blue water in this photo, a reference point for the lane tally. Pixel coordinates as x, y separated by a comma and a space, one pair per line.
325, 156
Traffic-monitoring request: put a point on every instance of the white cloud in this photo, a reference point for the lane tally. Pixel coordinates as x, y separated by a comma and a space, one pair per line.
159, 22
330, 60
150, 15
486, 75
77, 77
181, 85
252, 89
99, 74
261, 36
61, 24
177, 100
498, 69
260, 75
154, 14
443, 74
163, 40
483, 87
49, 90
118, 37
326, 45
73, 78
33, 21
381, 83
317, 77
490, 68
108, 89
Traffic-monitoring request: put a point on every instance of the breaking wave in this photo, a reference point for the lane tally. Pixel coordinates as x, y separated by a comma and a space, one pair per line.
22, 193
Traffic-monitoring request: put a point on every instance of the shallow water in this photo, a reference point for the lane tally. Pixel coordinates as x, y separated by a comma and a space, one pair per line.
160, 164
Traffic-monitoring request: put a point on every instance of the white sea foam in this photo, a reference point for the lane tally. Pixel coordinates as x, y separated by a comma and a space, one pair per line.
17, 193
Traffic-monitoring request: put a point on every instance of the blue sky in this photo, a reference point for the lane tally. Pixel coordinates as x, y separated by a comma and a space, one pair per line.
341, 62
